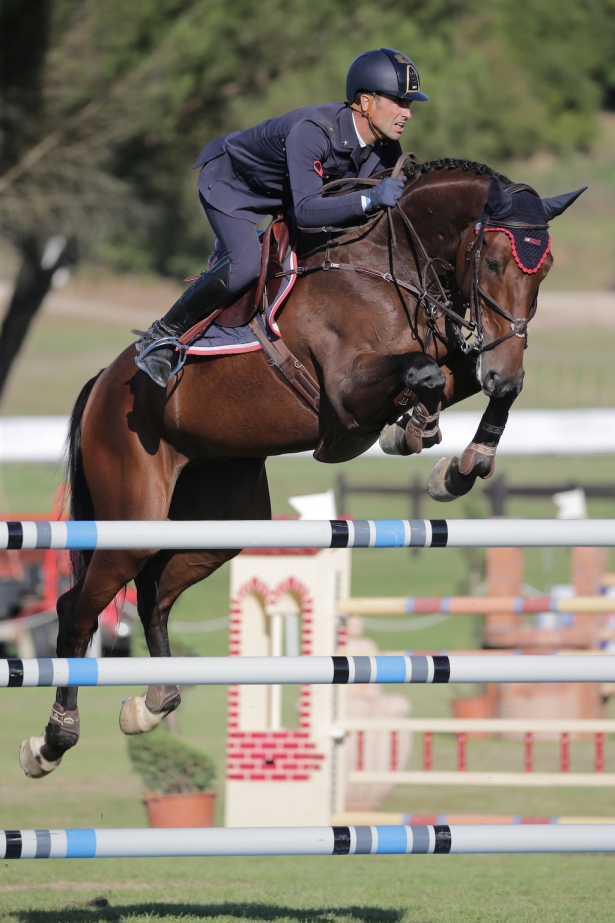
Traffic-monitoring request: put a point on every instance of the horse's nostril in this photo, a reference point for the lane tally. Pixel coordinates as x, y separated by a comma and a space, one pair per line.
490, 381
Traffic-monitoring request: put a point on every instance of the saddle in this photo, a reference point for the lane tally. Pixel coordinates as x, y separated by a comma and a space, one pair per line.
275, 240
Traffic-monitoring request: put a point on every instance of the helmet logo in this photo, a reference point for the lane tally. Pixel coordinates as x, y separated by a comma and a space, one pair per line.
402, 58
412, 79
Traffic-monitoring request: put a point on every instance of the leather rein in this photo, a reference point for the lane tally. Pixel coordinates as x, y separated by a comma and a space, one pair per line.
422, 284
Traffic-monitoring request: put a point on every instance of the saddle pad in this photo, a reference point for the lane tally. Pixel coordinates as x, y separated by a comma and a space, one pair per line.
228, 341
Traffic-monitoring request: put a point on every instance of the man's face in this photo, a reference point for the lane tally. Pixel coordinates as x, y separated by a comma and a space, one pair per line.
389, 114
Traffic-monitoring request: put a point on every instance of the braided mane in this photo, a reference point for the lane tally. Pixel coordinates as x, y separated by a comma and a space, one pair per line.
453, 163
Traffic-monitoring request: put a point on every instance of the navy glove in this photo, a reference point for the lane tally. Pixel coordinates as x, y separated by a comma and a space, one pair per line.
384, 195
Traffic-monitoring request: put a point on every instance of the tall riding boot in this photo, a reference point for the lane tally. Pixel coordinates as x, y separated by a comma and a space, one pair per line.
157, 346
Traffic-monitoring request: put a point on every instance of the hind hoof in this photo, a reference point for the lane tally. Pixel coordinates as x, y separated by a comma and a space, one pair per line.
436, 482
136, 718
32, 761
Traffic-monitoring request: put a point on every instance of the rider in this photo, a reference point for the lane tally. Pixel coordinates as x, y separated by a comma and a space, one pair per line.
282, 164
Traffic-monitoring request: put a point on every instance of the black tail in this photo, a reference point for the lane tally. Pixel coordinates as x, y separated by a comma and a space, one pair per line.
81, 506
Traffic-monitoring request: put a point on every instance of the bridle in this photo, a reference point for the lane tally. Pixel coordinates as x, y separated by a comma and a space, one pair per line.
425, 285
518, 328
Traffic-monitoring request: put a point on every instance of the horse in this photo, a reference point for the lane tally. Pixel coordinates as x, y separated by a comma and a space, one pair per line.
378, 318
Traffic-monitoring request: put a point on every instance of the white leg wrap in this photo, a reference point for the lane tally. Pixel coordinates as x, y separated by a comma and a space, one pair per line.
436, 486
136, 718
31, 760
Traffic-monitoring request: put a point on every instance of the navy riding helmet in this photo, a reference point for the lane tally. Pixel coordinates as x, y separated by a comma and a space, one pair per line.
384, 71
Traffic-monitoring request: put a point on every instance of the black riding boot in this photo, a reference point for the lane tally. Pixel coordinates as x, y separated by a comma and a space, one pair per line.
157, 346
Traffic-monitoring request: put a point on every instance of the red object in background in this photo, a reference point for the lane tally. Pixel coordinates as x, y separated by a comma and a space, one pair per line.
461, 752
529, 752
599, 764
55, 570
394, 751
427, 750
565, 754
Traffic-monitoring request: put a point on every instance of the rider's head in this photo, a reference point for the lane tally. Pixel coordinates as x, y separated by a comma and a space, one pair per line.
380, 86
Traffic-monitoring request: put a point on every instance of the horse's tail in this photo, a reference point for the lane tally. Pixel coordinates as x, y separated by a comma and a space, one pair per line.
81, 506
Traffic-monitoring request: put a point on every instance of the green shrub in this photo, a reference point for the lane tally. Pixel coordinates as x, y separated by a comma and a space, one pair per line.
169, 766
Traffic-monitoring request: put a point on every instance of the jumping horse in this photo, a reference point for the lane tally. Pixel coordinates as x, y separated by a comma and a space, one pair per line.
413, 310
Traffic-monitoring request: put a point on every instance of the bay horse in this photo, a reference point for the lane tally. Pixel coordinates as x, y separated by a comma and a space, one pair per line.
392, 324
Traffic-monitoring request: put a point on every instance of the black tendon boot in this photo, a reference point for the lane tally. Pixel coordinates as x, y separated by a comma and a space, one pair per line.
157, 346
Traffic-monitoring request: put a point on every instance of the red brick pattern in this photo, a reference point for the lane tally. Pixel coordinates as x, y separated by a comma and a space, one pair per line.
271, 756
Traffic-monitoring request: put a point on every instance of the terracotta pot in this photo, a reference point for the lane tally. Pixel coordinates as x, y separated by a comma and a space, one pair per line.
190, 809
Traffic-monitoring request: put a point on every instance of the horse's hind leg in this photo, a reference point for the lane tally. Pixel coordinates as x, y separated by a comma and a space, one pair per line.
232, 489
78, 611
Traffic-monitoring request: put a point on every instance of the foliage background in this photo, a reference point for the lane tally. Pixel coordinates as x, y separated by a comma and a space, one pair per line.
163, 77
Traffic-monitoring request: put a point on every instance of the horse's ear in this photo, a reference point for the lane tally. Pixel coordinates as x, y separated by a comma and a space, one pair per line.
559, 203
499, 203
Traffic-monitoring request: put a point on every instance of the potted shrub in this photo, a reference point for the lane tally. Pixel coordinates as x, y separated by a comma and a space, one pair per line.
178, 779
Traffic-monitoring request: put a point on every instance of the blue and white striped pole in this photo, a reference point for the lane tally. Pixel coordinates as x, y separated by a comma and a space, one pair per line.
289, 533
244, 671
305, 841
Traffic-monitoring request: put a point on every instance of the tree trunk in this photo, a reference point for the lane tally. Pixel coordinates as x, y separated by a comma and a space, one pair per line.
33, 283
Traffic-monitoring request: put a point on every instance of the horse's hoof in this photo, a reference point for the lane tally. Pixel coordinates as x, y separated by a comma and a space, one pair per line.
436, 482
393, 440
32, 761
136, 718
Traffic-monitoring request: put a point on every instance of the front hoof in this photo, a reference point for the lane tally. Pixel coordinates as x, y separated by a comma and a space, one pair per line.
136, 718
32, 761
436, 482
393, 440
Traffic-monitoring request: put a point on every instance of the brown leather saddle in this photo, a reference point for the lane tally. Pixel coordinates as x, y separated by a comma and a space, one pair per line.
275, 241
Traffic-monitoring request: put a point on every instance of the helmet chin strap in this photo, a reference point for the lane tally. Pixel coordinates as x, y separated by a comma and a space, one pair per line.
368, 115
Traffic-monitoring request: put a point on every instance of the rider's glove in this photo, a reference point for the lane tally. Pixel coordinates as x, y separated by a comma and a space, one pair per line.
384, 195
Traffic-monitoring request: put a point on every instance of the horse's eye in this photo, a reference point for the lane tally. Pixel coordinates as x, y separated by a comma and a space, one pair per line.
493, 265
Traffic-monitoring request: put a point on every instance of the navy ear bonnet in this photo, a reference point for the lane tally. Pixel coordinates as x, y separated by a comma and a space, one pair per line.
524, 217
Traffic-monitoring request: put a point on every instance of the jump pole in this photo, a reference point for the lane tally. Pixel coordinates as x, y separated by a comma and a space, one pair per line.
336, 670
421, 839
359, 533
474, 605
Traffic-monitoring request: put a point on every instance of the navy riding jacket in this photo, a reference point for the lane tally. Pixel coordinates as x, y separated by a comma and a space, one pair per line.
282, 164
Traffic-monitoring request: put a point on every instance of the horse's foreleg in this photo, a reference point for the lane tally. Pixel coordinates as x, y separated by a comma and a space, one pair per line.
78, 611
454, 477
419, 428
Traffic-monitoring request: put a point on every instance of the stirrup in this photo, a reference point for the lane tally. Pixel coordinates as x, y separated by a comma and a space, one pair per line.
144, 348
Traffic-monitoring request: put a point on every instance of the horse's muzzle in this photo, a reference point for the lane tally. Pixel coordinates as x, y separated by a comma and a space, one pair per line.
497, 384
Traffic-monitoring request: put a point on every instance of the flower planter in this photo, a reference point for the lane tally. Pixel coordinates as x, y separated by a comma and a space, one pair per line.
190, 809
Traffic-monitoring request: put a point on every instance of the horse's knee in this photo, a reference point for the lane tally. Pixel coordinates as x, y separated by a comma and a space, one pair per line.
424, 375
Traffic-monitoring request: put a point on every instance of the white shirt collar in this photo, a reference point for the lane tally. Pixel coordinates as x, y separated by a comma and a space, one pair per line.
361, 141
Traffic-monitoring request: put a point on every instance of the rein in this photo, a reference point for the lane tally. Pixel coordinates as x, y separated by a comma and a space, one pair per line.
438, 303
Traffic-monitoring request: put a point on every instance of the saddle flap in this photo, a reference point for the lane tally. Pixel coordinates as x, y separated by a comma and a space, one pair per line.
239, 312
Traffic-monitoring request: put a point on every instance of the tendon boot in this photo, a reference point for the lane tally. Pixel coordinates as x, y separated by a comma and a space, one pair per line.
157, 347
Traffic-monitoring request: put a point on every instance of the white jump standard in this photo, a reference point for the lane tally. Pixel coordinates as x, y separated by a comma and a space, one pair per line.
305, 841
359, 533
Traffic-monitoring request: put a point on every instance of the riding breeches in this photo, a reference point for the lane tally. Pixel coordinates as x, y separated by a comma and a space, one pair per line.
239, 238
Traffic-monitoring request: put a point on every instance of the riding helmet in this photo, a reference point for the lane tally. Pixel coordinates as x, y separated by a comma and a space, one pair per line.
384, 71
